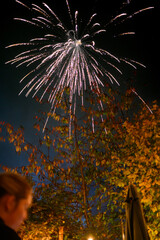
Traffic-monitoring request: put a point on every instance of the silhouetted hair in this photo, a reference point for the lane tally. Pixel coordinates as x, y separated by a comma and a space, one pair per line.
14, 184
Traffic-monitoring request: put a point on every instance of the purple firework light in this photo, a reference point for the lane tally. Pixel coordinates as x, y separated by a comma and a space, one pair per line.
64, 58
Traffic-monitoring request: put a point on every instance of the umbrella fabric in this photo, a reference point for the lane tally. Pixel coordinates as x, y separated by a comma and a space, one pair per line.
136, 228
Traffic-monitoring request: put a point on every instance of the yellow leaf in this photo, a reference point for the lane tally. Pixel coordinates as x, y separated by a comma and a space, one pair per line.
157, 182
26, 148
154, 209
18, 149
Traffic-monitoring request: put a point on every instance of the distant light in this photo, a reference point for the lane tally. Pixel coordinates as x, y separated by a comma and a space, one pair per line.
90, 238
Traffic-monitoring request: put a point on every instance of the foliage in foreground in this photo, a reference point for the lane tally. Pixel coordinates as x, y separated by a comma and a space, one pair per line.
81, 180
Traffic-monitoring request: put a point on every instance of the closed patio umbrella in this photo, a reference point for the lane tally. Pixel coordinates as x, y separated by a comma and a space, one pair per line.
136, 228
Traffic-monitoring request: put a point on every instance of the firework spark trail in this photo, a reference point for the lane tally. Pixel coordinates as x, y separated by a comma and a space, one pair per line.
65, 59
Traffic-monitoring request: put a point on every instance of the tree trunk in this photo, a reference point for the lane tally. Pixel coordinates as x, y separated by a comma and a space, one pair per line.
84, 188
61, 233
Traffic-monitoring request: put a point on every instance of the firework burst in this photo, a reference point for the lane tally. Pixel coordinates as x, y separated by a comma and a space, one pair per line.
64, 58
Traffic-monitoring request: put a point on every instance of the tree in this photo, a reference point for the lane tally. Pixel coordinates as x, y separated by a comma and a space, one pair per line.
81, 179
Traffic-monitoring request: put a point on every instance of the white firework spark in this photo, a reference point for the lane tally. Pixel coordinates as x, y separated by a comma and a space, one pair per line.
64, 59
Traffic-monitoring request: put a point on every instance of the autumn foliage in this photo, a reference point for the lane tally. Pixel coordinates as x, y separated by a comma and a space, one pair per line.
81, 180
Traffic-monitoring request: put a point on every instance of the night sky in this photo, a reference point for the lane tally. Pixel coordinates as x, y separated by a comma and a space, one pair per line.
143, 47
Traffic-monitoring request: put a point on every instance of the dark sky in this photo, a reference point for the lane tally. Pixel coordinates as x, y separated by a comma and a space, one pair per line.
144, 47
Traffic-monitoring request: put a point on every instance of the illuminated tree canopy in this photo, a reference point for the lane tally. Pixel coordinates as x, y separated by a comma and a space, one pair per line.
81, 180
